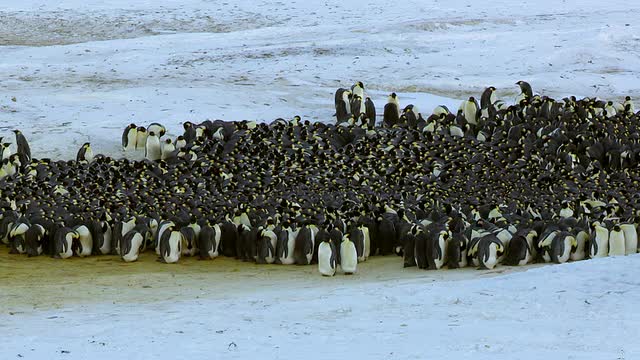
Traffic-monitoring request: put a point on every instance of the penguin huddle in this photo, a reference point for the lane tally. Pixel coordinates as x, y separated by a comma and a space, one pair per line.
537, 181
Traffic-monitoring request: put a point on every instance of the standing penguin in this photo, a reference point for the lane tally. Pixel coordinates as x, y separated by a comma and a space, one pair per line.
129, 137
152, 149
342, 101
23, 149
85, 154
17, 236
34, 240
303, 251
267, 243
580, 250
391, 115
348, 256
327, 258
630, 238
189, 241
519, 248
167, 149
141, 137
487, 100
616, 241
599, 245
370, 111
420, 249
209, 241
526, 93
286, 244
471, 111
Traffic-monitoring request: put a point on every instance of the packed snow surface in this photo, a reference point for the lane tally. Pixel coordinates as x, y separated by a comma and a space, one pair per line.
581, 310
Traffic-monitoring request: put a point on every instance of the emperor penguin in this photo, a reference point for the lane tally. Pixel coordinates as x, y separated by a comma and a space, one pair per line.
17, 236
630, 238
85, 241
357, 237
457, 251
342, 101
189, 241
162, 227
348, 255
610, 110
526, 92
487, 99
129, 137
130, 246
286, 244
437, 249
22, 146
616, 241
370, 111
167, 149
5, 151
420, 248
303, 251
629, 108
391, 115
141, 138
85, 154
599, 244
488, 249
170, 246
152, 150
209, 241
519, 249
180, 142
267, 244
471, 110
580, 251
63, 243
34, 240
561, 247
327, 258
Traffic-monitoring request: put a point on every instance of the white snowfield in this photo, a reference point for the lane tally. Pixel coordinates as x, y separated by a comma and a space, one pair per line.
81, 70
582, 310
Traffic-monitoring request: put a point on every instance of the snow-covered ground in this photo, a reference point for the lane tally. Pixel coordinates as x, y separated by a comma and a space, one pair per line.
83, 70
583, 310
75, 71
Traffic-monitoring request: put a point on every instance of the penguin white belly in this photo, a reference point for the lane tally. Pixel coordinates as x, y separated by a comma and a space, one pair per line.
630, 238
106, 245
291, 243
86, 241
132, 135
581, 240
141, 140
348, 257
527, 258
167, 150
463, 259
616, 243
134, 252
153, 151
69, 251
492, 259
273, 239
324, 260
214, 252
161, 230
602, 242
367, 242
175, 241
128, 226
440, 261
566, 253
